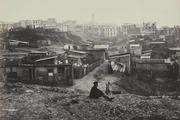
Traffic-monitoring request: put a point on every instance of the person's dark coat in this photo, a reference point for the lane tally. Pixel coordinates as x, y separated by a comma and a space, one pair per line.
95, 93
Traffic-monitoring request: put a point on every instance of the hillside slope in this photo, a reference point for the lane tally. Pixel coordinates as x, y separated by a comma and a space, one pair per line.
32, 35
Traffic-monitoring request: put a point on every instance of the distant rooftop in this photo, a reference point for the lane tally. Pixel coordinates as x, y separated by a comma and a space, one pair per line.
101, 46
75, 56
19, 41
47, 58
76, 51
119, 55
157, 42
135, 45
15, 54
175, 49
38, 52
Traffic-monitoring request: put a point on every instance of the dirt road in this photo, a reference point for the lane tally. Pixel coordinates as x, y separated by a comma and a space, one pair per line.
99, 74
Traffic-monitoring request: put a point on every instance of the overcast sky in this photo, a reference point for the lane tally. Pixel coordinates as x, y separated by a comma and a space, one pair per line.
165, 12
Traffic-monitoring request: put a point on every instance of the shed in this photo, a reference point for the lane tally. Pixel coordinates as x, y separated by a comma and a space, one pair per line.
40, 73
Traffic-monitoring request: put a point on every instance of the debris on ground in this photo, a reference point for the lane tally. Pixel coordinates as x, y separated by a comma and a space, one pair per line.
35, 102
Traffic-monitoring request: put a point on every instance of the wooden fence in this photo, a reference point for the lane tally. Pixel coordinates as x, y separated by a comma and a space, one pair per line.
81, 71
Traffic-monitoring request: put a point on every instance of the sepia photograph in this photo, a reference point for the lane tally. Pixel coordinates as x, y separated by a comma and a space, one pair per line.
89, 59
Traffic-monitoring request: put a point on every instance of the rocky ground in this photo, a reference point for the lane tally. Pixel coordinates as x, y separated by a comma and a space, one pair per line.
36, 102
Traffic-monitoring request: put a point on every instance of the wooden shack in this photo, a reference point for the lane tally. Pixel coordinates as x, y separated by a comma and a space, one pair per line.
43, 71
40, 73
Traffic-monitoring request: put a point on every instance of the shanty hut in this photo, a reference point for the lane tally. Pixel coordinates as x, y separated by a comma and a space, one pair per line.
43, 71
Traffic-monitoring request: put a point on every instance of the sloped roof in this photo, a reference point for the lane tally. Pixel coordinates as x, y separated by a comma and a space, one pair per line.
76, 56
175, 49
101, 46
19, 41
47, 58
15, 54
76, 51
119, 55
157, 42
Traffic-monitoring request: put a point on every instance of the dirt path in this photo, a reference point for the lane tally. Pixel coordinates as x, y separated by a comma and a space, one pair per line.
84, 85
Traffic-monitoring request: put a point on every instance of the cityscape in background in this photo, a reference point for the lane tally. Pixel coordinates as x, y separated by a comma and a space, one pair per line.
100, 30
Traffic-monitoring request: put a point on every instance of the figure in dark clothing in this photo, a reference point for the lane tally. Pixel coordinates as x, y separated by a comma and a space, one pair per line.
96, 93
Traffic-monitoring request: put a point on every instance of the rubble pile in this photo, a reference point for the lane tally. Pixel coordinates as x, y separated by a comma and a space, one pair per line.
35, 102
